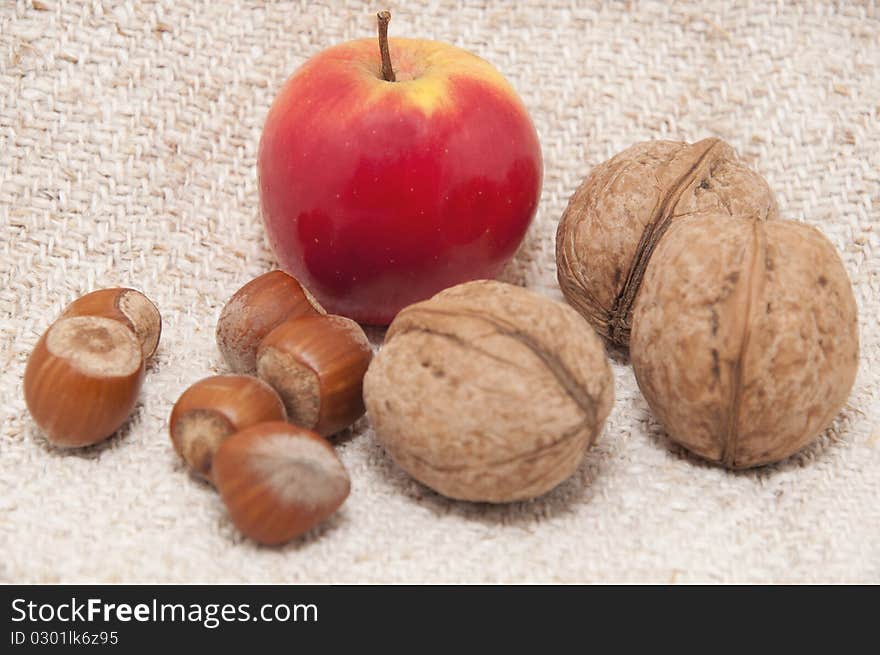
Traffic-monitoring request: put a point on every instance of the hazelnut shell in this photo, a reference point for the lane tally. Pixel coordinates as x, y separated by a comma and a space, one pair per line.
82, 379
129, 306
214, 408
278, 480
317, 363
255, 310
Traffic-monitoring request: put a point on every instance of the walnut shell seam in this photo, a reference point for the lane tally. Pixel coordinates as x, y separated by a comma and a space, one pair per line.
563, 376
621, 311
676, 179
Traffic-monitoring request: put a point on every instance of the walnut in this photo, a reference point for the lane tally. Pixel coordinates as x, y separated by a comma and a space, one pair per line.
745, 337
615, 220
489, 392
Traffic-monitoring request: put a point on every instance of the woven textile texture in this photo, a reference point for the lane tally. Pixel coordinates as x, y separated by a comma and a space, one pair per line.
128, 138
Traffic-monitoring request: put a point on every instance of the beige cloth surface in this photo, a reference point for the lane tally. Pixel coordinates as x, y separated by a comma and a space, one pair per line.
128, 135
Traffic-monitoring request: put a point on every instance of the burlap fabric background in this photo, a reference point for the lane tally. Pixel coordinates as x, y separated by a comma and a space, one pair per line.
128, 135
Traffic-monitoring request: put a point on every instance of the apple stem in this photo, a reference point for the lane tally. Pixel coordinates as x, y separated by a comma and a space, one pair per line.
387, 72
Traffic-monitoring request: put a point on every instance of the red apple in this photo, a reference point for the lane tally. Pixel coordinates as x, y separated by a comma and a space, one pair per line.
377, 193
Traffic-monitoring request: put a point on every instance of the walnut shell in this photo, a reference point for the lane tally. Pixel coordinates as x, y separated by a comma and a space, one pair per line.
745, 337
489, 392
617, 216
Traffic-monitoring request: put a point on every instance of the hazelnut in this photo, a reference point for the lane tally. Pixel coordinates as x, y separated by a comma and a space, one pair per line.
255, 310
317, 364
128, 306
745, 337
489, 392
278, 480
214, 408
83, 378
615, 220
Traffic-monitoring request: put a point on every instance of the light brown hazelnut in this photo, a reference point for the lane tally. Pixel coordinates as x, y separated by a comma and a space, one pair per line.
316, 364
83, 378
128, 306
745, 338
489, 392
278, 480
214, 408
616, 218
256, 309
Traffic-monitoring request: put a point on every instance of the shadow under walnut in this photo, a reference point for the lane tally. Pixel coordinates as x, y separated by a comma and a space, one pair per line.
820, 448
563, 499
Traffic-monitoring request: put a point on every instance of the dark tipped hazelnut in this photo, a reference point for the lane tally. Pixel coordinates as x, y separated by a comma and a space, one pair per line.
317, 365
128, 306
255, 310
83, 378
214, 408
278, 480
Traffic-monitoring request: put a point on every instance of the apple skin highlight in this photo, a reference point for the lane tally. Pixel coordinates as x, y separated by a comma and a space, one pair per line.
378, 194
